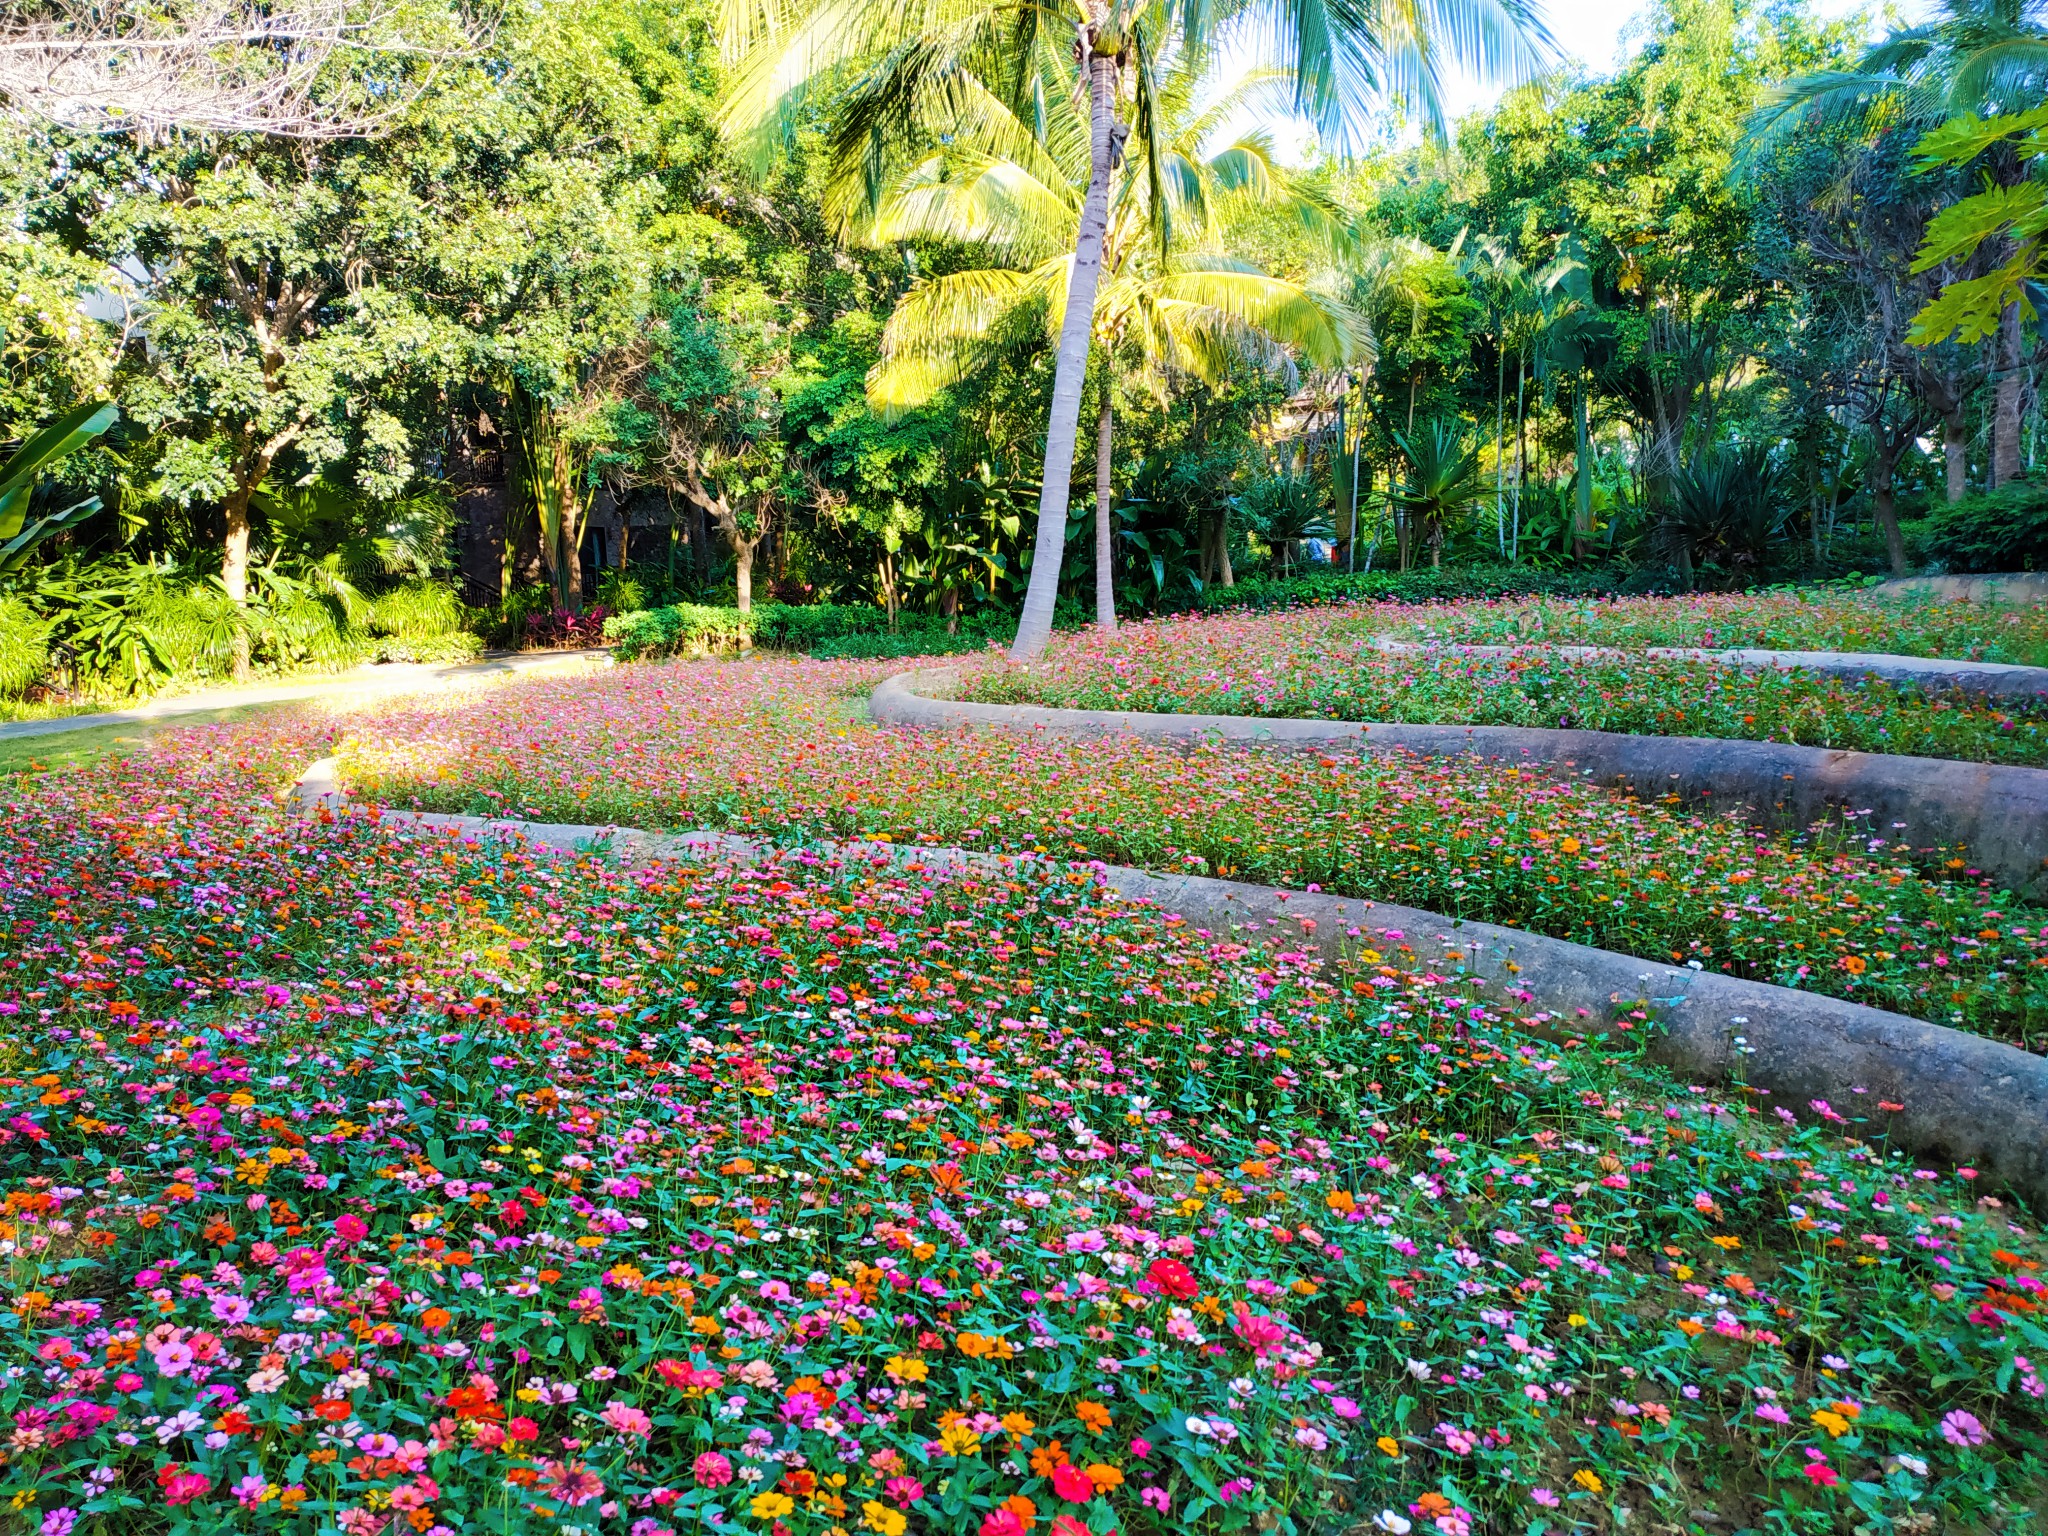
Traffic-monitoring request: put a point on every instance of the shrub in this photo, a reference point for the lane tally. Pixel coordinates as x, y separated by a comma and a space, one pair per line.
787, 627
24, 647
913, 642
2001, 530
1448, 584
561, 627
432, 650
419, 610
681, 629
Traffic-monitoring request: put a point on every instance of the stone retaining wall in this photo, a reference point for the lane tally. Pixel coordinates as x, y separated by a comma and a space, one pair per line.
1999, 815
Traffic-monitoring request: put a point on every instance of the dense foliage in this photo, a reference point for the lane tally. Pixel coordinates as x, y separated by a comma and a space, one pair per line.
559, 336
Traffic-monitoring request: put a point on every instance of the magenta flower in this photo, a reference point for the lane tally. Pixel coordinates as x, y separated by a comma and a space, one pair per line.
1963, 1428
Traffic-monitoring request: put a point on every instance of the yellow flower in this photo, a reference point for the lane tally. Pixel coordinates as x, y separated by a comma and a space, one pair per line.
1833, 1423
1570, 845
904, 1368
1726, 1244
877, 1516
1388, 1445
1586, 1480
771, 1506
959, 1440
1577, 1319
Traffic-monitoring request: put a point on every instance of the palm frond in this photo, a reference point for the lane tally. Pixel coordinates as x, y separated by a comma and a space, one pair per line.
969, 198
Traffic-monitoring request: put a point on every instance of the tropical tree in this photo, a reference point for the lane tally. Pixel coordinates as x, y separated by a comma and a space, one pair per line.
1971, 58
1441, 481
905, 73
1159, 315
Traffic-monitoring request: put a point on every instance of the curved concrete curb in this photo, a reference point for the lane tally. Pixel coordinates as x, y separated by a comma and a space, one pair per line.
1999, 814
2012, 587
1967, 1099
1987, 679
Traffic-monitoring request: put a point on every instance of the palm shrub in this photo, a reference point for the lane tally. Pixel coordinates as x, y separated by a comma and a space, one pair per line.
24, 647
1727, 509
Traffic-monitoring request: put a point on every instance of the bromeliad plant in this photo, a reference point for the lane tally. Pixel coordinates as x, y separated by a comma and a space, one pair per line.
367, 1182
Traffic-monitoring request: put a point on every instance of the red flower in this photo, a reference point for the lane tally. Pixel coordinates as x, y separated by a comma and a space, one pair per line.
1072, 1484
1174, 1278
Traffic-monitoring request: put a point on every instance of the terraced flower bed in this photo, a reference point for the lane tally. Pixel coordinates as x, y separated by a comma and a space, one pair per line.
1790, 621
776, 747
371, 1183
1325, 664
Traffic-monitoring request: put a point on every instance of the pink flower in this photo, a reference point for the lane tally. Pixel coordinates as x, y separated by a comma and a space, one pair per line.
1072, 1484
712, 1470
573, 1484
1157, 1499
1141, 1447
1823, 1475
1344, 1407
1002, 1522
1962, 1428
903, 1491
1545, 1497
626, 1419
351, 1229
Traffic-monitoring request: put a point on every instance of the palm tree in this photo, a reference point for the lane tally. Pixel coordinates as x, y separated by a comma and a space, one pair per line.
1981, 57
1442, 480
905, 71
1019, 195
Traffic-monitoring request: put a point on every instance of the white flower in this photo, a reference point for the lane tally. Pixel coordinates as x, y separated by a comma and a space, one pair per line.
1419, 1369
1388, 1521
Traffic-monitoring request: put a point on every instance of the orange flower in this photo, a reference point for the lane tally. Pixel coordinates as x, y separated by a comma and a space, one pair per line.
1104, 1477
434, 1319
1046, 1457
1094, 1416
1341, 1202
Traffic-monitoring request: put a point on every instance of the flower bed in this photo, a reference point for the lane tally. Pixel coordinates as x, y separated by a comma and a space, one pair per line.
1820, 620
368, 1183
774, 746
1325, 665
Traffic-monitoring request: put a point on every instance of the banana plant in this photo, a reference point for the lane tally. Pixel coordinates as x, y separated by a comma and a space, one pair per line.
20, 475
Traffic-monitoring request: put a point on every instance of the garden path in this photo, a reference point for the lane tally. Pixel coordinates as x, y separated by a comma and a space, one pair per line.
365, 682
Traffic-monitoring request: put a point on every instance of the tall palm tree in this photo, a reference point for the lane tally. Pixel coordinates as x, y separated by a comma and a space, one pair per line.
905, 71
1972, 56
1020, 193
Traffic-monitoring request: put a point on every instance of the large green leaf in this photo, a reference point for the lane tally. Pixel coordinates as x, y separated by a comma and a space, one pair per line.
62, 437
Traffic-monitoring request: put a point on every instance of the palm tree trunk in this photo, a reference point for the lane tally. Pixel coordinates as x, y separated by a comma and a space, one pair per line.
1582, 516
2005, 419
1105, 590
1070, 371
1500, 393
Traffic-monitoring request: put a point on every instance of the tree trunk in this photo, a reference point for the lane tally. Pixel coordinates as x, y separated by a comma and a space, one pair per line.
1070, 371
1105, 589
2005, 422
1885, 449
743, 574
1582, 514
1223, 547
1955, 453
234, 569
